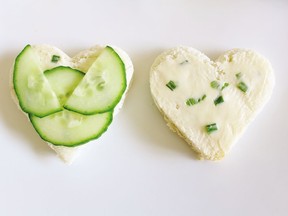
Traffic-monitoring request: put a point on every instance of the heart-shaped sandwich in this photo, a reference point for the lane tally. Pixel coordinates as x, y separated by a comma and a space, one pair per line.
70, 101
210, 103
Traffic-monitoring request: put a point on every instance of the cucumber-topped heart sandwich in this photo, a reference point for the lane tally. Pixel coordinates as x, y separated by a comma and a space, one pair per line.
210, 103
70, 101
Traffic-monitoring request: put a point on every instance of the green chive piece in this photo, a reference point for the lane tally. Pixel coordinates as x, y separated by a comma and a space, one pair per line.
238, 75
218, 100
224, 86
191, 101
242, 86
214, 84
184, 62
171, 85
55, 58
211, 127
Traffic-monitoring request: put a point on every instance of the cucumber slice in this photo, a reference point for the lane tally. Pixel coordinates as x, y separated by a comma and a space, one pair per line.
63, 80
71, 129
103, 85
67, 128
34, 93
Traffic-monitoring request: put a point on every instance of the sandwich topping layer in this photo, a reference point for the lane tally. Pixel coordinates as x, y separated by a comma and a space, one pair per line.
210, 103
43, 73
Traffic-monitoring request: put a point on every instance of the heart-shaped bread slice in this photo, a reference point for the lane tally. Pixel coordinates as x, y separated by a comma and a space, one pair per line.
44, 78
210, 103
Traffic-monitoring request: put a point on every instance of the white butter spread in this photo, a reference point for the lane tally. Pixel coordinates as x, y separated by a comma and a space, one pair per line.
192, 72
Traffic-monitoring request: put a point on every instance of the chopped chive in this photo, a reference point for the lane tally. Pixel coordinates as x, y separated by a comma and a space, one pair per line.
191, 101
230, 58
211, 127
218, 100
242, 86
238, 75
184, 62
214, 84
55, 58
224, 86
171, 85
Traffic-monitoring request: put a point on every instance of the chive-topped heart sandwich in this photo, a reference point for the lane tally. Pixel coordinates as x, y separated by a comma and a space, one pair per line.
70, 101
210, 103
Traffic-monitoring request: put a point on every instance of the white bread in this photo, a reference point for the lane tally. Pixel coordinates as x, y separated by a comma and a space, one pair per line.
193, 72
82, 62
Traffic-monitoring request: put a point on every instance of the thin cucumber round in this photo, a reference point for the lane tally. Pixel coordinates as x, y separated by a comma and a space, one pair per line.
63, 80
71, 129
102, 86
33, 91
67, 128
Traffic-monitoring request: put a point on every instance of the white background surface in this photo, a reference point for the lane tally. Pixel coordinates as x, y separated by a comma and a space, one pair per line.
139, 167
